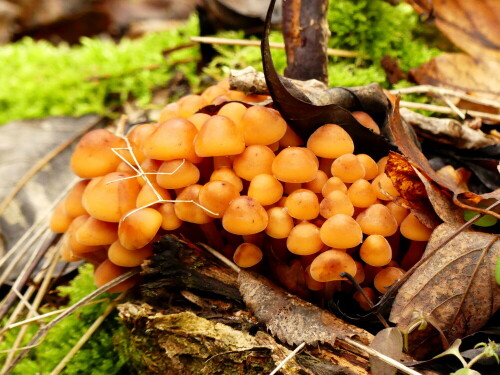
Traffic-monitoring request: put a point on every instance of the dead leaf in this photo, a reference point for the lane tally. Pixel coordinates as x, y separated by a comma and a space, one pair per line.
388, 341
406, 144
462, 72
413, 192
291, 319
305, 117
472, 26
455, 286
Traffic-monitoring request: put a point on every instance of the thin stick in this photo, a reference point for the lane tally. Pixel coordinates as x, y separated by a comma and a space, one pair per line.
222, 258
429, 89
87, 335
43, 331
26, 272
36, 304
441, 109
256, 43
455, 109
288, 357
383, 357
29, 292
44, 316
42, 162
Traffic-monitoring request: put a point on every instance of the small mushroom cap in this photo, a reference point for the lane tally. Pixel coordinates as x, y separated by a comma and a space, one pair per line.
330, 141
328, 266
245, 215
219, 136
137, 229
93, 155
296, 165
341, 231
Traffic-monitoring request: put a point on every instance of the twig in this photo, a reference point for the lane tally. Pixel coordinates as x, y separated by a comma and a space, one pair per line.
27, 270
401, 367
429, 89
36, 303
455, 109
44, 316
256, 43
367, 299
43, 331
87, 335
288, 357
441, 109
222, 258
43, 162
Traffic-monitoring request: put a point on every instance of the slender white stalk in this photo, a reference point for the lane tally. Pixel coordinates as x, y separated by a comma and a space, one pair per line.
401, 367
288, 357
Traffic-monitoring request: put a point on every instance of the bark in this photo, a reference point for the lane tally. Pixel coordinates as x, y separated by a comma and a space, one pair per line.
306, 33
189, 318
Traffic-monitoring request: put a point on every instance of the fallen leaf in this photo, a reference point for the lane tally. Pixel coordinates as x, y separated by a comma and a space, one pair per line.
453, 182
472, 26
291, 319
388, 341
455, 286
462, 72
413, 192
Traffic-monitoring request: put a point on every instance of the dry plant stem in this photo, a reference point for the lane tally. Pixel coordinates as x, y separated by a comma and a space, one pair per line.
367, 299
29, 292
455, 109
383, 357
43, 316
42, 163
27, 270
222, 258
256, 43
43, 331
87, 335
40, 226
484, 211
429, 89
288, 357
36, 304
441, 109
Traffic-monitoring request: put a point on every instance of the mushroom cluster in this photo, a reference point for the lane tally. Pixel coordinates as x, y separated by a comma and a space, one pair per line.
242, 181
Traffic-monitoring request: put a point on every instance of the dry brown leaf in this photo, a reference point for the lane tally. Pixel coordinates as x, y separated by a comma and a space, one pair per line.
413, 192
462, 72
455, 286
472, 26
388, 341
453, 182
291, 319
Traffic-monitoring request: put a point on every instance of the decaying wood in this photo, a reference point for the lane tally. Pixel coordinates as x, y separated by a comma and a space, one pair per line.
448, 130
251, 81
306, 33
189, 318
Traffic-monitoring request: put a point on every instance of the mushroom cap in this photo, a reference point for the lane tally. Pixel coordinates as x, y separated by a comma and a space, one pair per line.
245, 215
328, 266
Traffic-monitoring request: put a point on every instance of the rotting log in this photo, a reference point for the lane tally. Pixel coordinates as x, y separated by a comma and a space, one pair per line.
189, 317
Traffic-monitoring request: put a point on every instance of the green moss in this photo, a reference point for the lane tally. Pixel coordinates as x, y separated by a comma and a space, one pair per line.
98, 353
376, 29
40, 79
